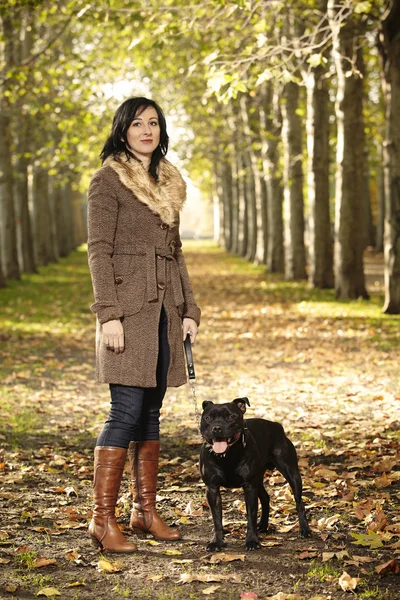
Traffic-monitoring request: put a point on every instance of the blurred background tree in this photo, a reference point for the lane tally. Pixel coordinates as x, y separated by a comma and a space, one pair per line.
282, 115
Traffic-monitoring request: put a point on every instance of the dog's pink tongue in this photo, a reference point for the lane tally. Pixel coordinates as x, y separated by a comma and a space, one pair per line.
219, 447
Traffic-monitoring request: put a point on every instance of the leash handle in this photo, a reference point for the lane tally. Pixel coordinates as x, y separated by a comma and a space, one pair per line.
189, 358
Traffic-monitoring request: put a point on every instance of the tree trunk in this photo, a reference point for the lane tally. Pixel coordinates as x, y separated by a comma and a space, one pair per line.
380, 186
295, 256
390, 52
227, 197
257, 225
8, 235
41, 210
271, 132
320, 235
242, 207
350, 202
3, 281
24, 136
235, 203
24, 226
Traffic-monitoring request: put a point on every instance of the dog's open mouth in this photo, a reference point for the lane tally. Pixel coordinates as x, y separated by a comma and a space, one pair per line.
221, 445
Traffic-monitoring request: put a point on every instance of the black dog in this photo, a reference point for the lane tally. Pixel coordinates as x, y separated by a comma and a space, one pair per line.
236, 453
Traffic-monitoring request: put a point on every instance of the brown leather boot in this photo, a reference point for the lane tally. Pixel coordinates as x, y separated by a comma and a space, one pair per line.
143, 461
103, 529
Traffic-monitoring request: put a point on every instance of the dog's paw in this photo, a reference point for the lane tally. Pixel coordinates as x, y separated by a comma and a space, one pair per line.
253, 545
215, 546
305, 532
262, 527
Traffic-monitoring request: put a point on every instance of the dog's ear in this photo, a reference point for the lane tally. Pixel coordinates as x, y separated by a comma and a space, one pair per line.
241, 403
206, 403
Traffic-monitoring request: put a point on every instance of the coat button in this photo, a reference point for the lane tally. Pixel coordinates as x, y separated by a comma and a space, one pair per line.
161, 286
119, 280
163, 226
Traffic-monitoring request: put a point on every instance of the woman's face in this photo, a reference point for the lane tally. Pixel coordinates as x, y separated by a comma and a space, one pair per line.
143, 134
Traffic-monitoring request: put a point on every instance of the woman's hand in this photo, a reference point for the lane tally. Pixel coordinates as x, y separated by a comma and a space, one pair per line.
113, 336
189, 326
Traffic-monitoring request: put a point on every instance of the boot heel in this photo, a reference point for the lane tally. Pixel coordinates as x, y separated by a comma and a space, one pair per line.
96, 543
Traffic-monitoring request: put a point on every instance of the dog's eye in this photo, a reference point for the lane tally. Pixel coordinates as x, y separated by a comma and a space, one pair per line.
231, 418
207, 418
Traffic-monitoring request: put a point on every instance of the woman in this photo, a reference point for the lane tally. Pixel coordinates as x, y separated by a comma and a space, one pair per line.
145, 308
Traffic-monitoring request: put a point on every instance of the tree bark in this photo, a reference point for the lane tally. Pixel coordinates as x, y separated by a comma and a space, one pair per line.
320, 236
235, 203
24, 135
271, 127
227, 196
380, 186
8, 235
295, 256
256, 210
242, 207
350, 202
42, 216
390, 52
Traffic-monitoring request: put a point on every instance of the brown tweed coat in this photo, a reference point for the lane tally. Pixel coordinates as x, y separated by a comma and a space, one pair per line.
136, 264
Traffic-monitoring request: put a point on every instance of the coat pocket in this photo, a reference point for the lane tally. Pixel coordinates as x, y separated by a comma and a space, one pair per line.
130, 284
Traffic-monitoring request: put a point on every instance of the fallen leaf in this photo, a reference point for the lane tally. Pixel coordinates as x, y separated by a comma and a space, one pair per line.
391, 566
307, 554
49, 592
11, 587
357, 560
363, 509
43, 562
347, 582
154, 577
5, 561
329, 555
371, 539
74, 584
105, 566
208, 578
282, 596
222, 557
172, 552
193, 512
248, 595
378, 522
210, 590
382, 481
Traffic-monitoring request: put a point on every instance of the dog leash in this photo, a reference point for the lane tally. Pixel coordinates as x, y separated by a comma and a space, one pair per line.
192, 377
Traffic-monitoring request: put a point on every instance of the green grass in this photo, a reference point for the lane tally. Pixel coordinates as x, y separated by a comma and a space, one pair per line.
322, 571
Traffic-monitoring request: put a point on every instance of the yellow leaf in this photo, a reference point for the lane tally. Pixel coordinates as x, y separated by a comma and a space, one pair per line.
105, 566
48, 592
347, 582
154, 577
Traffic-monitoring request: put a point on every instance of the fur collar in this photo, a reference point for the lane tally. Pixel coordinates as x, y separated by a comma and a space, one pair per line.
164, 198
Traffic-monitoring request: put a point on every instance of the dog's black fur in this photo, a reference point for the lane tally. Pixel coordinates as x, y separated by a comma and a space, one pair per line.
236, 453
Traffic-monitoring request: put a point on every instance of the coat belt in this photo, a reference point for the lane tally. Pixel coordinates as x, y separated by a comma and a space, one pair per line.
151, 253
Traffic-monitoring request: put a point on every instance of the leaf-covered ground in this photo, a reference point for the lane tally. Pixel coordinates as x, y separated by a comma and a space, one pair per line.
327, 371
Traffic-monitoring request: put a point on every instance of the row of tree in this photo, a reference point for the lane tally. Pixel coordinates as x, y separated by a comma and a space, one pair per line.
287, 113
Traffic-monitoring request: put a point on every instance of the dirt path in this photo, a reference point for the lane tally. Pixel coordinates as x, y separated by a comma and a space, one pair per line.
327, 371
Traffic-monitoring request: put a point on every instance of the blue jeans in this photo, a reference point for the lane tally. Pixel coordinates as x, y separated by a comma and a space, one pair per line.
135, 411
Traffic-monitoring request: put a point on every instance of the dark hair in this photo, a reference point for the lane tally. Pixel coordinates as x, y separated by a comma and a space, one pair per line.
117, 142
